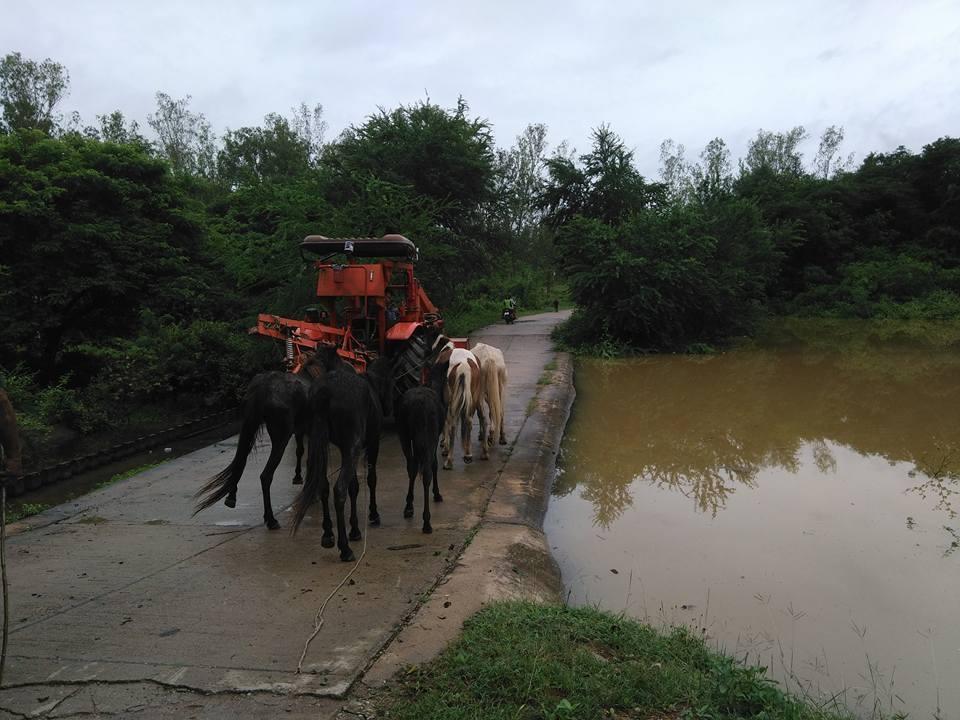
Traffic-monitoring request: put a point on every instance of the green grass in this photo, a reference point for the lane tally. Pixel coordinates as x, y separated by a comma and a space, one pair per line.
126, 474
524, 661
22, 510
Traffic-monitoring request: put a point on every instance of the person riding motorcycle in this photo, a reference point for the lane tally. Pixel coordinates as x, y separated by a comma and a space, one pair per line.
509, 313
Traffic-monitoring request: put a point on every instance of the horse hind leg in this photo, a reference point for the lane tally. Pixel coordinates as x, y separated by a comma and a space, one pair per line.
298, 476
425, 470
279, 437
354, 521
437, 497
411, 479
466, 430
340, 489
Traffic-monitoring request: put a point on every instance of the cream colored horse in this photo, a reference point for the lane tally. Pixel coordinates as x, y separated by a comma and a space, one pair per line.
493, 386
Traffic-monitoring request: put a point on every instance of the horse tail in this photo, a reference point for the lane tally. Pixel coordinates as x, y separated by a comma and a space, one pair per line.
464, 390
493, 390
319, 435
220, 485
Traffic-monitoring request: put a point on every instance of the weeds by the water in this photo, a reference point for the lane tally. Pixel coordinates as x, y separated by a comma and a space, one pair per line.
23, 510
126, 474
520, 660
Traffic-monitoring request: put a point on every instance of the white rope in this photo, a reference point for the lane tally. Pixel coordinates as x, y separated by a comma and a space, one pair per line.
318, 618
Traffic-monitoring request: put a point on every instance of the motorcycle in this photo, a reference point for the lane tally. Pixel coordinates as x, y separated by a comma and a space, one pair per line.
509, 315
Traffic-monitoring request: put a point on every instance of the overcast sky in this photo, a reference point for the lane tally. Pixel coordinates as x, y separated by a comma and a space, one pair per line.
889, 72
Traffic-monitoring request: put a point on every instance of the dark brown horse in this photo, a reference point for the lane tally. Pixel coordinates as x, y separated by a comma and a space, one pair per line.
277, 401
345, 411
420, 417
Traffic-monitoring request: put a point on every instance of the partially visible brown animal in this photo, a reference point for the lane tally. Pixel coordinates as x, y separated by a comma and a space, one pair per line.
277, 400
9, 437
490, 404
462, 394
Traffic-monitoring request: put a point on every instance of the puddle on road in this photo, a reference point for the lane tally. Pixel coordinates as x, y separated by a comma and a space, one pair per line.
796, 503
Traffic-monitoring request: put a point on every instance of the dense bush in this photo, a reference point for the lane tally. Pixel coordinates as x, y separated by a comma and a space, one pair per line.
698, 260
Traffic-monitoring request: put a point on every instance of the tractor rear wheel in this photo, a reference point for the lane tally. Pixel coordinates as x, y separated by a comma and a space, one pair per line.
409, 362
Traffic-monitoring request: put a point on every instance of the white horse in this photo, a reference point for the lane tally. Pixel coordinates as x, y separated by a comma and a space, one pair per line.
493, 386
462, 393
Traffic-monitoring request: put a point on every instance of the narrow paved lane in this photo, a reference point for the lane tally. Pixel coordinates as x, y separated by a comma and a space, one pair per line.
130, 588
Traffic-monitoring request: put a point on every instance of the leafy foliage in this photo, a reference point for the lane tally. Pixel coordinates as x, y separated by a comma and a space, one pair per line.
29, 92
90, 232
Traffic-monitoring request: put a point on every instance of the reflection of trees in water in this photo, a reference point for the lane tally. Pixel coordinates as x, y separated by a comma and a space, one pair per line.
707, 425
941, 481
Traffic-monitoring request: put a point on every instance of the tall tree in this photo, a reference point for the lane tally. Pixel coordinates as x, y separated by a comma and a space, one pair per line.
184, 137
310, 127
444, 155
29, 92
675, 171
776, 152
114, 127
712, 177
828, 161
252, 155
604, 184
520, 175
93, 232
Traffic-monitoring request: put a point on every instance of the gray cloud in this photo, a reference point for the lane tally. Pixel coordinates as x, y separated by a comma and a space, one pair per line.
688, 70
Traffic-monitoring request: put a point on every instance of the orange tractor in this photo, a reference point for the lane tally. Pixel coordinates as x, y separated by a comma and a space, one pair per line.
366, 309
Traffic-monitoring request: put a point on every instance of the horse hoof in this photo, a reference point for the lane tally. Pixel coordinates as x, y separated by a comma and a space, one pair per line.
374, 519
438, 498
230, 502
408, 512
298, 480
355, 535
272, 524
347, 556
468, 459
327, 541
443, 451
448, 465
427, 529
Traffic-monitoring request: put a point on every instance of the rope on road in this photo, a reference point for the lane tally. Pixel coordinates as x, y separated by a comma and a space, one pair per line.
318, 618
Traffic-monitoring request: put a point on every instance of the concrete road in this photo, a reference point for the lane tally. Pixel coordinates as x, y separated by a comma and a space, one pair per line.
123, 601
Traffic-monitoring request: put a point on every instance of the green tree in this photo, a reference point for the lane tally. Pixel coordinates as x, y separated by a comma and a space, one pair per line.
712, 178
668, 278
91, 233
520, 175
29, 92
445, 156
776, 152
114, 127
604, 185
275, 152
184, 137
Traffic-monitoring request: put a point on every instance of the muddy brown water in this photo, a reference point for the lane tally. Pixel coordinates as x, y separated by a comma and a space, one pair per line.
794, 501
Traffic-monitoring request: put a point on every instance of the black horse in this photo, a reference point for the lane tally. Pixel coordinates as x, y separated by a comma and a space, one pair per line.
277, 400
420, 416
345, 410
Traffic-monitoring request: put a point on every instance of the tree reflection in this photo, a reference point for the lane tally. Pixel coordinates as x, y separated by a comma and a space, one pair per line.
707, 426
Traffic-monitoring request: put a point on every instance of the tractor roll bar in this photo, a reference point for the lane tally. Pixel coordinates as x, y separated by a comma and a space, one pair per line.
389, 246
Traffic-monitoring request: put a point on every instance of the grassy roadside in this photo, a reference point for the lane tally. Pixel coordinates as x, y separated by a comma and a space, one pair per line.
522, 660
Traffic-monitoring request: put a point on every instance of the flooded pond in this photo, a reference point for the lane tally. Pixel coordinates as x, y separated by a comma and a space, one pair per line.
794, 500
